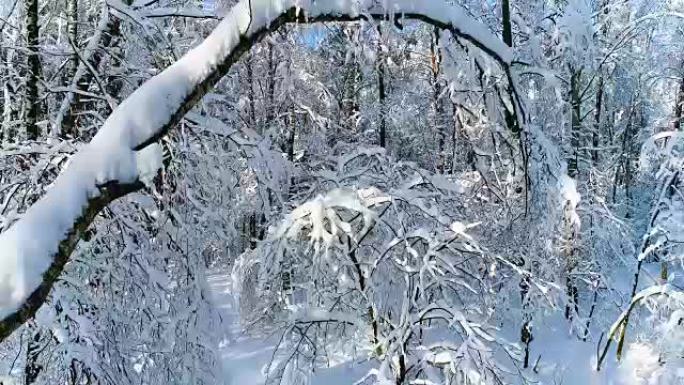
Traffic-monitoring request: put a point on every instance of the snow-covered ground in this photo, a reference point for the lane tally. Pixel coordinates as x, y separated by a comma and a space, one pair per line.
563, 358
245, 358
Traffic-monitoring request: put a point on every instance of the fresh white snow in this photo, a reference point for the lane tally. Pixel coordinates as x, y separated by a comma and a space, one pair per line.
565, 359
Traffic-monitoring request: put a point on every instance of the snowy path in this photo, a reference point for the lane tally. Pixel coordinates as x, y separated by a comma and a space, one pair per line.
243, 357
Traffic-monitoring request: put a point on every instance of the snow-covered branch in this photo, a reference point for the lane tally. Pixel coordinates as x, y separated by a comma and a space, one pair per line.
193, 13
35, 249
621, 323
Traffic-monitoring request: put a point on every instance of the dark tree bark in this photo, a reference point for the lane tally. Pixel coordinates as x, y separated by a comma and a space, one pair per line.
401, 376
600, 90
33, 112
382, 93
250, 89
628, 153
270, 85
526, 338
454, 135
510, 116
72, 32
437, 88
575, 123
596, 133
292, 117
111, 41
572, 291
350, 89
9, 97
68, 124
506, 16
679, 107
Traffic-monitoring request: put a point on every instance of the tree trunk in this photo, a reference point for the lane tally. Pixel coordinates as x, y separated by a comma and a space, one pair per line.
623, 174
33, 112
112, 40
401, 376
679, 107
575, 123
9, 110
509, 115
68, 124
293, 133
570, 249
382, 96
595, 135
506, 16
435, 61
250, 90
454, 136
270, 82
108, 36
352, 80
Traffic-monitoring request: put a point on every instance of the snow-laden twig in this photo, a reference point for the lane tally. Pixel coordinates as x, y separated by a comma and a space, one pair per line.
621, 323
191, 12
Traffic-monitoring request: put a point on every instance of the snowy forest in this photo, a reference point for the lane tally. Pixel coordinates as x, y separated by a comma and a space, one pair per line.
342, 192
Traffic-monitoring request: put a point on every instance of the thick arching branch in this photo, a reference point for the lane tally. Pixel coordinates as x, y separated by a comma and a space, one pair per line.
66, 246
34, 251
